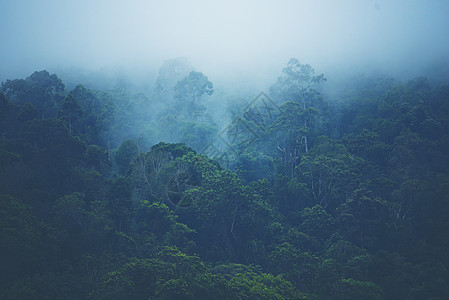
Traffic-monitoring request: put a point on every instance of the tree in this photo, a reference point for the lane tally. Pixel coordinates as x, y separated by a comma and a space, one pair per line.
172, 71
316, 222
83, 226
70, 111
298, 83
19, 240
92, 106
8, 117
160, 175
327, 173
224, 211
97, 158
348, 288
53, 159
120, 204
86, 98
137, 279
289, 131
191, 89
366, 220
50, 83
41, 89
297, 266
125, 154
27, 112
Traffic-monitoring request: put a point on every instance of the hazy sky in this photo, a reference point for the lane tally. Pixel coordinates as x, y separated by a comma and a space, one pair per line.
232, 37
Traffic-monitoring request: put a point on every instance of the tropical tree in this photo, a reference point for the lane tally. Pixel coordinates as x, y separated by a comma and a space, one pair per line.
327, 174
289, 133
41, 89
191, 89
125, 154
70, 111
299, 83
171, 71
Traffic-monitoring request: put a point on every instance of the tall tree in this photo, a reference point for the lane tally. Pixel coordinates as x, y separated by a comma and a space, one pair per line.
124, 155
41, 89
289, 133
70, 111
328, 173
192, 88
172, 71
299, 83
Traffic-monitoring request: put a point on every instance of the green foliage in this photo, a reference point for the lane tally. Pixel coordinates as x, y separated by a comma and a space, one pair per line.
297, 82
297, 266
125, 154
19, 240
155, 217
351, 205
48, 286
136, 279
120, 204
70, 111
171, 72
366, 220
41, 89
353, 289
327, 173
163, 175
97, 158
316, 222
27, 112
263, 286
193, 87
226, 211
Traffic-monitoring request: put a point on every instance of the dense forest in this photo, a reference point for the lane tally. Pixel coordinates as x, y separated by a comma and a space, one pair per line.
191, 191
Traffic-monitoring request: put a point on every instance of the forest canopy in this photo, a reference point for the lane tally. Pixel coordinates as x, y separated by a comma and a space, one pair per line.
192, 191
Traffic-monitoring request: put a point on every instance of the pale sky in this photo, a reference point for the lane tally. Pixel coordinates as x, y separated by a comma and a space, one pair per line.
234, 38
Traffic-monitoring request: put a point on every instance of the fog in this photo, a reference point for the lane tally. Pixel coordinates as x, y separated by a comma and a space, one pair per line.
233, 41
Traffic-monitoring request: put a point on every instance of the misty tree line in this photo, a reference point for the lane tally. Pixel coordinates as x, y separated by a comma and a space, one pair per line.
109, 194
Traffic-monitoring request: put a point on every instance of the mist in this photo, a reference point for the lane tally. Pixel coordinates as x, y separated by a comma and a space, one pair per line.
230, 41
224, 149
